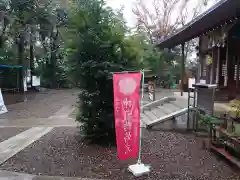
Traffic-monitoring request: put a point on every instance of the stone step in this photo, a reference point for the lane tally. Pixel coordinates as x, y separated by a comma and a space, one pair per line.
168, 108
150, 115
158, 112
180, 104
156, 103
167, 117
144, 120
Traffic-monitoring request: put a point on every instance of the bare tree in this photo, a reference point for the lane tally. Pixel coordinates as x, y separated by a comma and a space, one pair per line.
160, 18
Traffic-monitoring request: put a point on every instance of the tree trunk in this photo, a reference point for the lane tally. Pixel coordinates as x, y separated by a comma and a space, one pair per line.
53, 59
2, 37
21, 62
31, 55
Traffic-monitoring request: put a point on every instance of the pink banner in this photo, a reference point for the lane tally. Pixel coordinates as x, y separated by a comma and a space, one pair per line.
127, 114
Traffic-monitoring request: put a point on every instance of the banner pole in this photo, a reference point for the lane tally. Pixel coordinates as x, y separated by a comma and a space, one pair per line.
139, 168
140, 134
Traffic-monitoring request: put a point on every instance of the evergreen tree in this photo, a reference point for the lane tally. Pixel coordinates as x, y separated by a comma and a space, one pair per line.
97, 47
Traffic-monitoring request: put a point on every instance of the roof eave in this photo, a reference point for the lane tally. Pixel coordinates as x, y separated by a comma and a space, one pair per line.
222, 11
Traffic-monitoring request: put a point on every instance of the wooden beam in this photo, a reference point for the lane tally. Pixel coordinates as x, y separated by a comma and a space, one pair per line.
182, 68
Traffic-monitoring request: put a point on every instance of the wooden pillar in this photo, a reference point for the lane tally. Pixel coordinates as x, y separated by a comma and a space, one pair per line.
182, 68
204, 68
237, 75
213, 66
199, 70
226, 65
199, 62
218, 65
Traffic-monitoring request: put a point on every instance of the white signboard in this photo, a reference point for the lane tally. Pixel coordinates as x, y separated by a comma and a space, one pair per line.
35, 81
25, 84
3, 108
150, 95
202, 81
191, 81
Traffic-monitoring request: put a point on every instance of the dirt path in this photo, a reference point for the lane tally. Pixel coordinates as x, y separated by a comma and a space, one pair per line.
26, 122
44, 105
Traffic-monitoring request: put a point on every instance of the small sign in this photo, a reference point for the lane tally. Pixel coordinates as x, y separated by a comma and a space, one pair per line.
3, 108
25, 84
35, 81
191, 81
150, 95
202, 81
151, 91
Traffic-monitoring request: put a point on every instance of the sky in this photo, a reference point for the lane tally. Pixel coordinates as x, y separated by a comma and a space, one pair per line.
129, 4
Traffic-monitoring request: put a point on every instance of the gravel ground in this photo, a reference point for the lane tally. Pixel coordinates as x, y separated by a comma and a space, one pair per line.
43, 105
171, 155
8, 132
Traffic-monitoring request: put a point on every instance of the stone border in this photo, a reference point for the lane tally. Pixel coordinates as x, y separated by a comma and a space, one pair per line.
8, 175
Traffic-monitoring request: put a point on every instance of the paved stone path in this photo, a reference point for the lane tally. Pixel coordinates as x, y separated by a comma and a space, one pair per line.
7, 175
46, 111
43, 105
41, 122
15, 144
60, 118
39, 126
49, 109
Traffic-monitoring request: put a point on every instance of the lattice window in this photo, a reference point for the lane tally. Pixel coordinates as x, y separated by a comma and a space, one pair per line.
224, 70
235, 73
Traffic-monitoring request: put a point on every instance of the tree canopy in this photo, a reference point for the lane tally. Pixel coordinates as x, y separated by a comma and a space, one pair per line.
98, 46
78, 43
